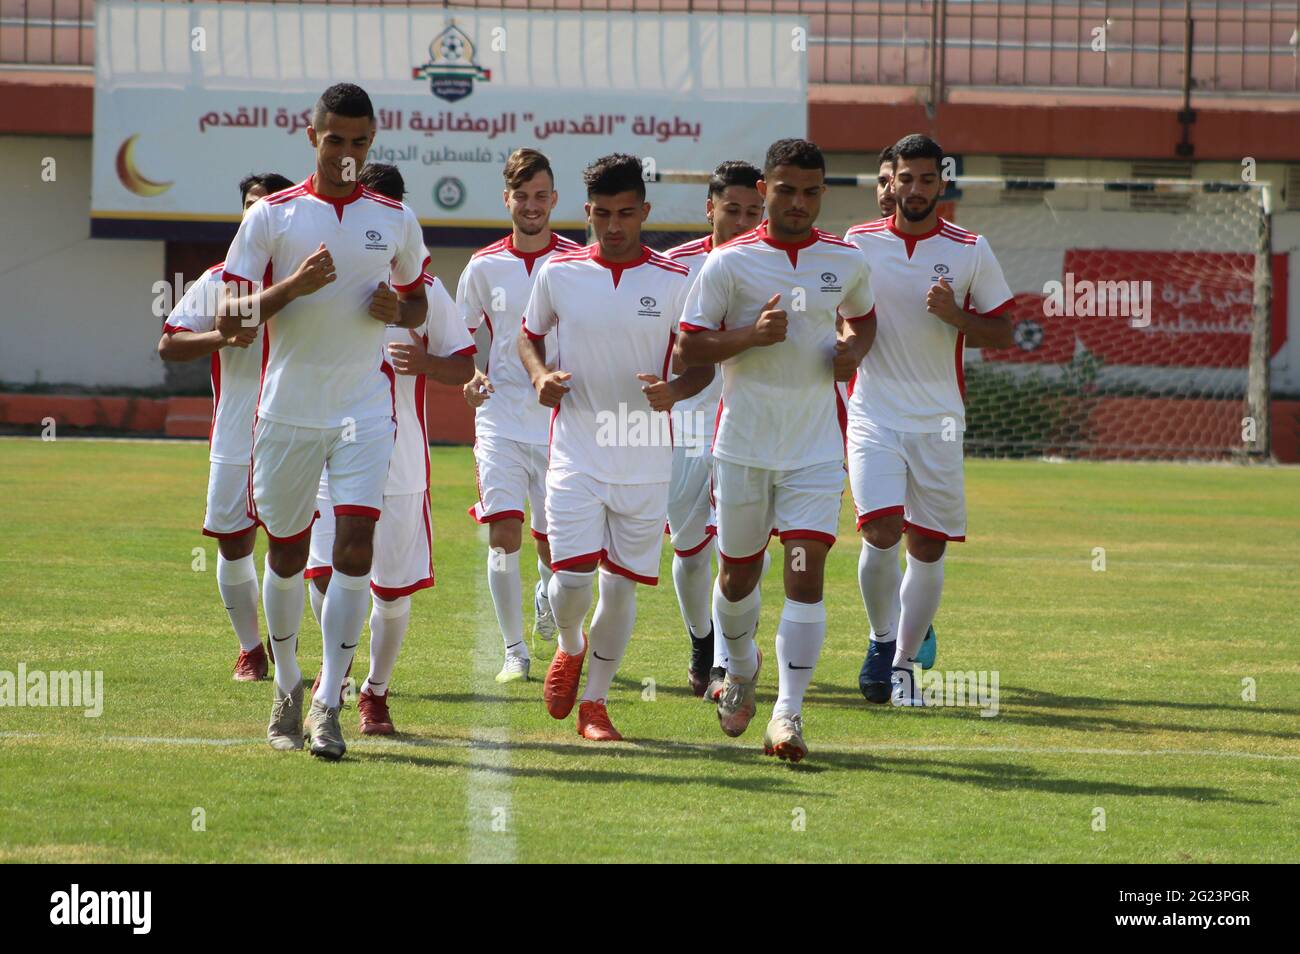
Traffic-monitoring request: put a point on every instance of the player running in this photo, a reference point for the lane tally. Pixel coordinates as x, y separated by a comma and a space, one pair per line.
327, 391
440, 349
733, 206
766, 306
191, 332
613, 307
510, 428
906, 413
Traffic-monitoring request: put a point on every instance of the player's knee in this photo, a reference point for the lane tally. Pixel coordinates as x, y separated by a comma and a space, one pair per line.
236, 548
288, 558
393, 609
321, 582
505, 535
353, 556
926, 549
737, 580
883, 533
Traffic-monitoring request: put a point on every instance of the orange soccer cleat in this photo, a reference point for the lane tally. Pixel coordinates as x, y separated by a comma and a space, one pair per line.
560, 690
594, 724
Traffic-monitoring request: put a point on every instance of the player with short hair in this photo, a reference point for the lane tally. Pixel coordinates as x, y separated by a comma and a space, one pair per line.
613, 306
190, 332
766, 306
326, 399
510, 428
733, 206
907, 412
441, 350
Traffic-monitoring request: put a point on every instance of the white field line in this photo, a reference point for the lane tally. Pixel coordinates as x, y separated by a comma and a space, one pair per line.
483, 741
487, 791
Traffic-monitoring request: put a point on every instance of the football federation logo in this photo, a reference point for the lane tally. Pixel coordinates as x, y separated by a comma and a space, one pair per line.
374, 241
449, 192
647, 302
831, 282
451, 69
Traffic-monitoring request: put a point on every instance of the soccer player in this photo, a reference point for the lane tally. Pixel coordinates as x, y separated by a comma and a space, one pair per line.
511, 429
766, 307
906, 413
885, 182
191, 332
440, 349
327, 392
733, 206
613, 306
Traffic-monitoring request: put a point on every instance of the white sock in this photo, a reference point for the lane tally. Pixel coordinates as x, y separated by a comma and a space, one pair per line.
920, 593
570, 595
544, 574
507, 598
317, 599
237, 583
611, 631
388, 622
799, 638
693, 582
736, 622
345, 610
282, 599
879, 577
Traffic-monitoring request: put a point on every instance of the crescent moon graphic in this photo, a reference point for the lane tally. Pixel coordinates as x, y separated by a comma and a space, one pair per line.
130, 176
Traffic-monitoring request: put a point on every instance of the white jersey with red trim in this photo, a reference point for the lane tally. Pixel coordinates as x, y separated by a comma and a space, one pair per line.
696, 417
613, 321
493, 289
780, 407
443, 335
325, 363
235, 371
912, 379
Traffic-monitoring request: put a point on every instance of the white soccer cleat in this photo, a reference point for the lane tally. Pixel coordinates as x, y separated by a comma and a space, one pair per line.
514, 670
544, 627
784, 738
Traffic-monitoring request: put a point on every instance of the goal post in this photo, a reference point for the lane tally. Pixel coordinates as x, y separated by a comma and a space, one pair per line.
1143, 311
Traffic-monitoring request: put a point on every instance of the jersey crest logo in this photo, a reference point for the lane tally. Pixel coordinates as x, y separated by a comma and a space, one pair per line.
831, 282
648, 309
374, 241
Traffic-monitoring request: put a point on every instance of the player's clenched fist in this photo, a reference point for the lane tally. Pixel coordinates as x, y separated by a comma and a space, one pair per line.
478, 389
383, 305
844, 361
316, 271
240, 337
771, 324
657, 392
941, 302
550, 387
408, 358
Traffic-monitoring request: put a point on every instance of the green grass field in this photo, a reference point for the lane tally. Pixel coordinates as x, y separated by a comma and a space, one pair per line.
1121, 691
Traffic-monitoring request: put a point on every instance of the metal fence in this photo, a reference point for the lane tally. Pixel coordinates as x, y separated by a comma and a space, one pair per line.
1223, 46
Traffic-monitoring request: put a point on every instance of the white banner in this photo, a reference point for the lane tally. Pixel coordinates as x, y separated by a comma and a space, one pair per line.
190, 97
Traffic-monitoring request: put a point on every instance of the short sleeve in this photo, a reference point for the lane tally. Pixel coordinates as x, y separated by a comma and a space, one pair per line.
411, 258
709, 297
253, 247
859, 301
196, 311
447, 333
989, 293
467, 299
539, 315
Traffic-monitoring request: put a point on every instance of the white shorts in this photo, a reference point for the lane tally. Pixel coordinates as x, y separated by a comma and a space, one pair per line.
287, 466
508, 473
921, 476
403, 560
691, 523
753, 503
227, 514
621, 525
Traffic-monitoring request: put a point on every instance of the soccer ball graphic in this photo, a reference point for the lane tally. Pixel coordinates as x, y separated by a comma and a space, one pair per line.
452, 47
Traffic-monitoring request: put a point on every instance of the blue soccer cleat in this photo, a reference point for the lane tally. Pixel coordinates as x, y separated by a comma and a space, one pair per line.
873, 679
929, 647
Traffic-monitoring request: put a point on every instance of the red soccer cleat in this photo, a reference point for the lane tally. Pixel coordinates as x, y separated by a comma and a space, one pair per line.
373, 710
251, 665
594, 724
560, 690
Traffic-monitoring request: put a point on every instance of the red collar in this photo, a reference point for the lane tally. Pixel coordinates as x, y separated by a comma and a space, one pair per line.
791, 249
337, 203
911, 240
530, 258
617, 268
708, 242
